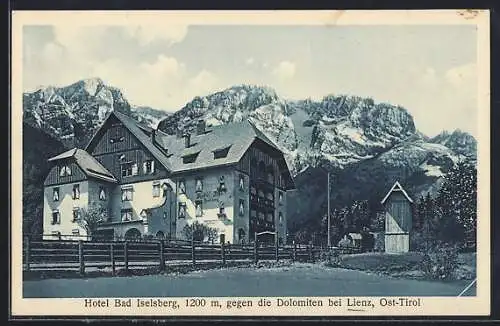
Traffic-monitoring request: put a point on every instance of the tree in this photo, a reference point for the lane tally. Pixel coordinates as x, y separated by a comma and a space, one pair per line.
199, 231
457, 200
91, 217
360, 214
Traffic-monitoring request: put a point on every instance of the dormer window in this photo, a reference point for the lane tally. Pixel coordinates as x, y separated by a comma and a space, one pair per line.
221, 152
65, 171
191, 158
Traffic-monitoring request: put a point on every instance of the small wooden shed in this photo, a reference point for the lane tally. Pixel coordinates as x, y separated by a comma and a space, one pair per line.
398, 219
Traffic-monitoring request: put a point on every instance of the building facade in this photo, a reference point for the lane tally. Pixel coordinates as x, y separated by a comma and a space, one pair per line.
398, 219
231, 178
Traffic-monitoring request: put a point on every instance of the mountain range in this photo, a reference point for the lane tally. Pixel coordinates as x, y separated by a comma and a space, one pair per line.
366, 146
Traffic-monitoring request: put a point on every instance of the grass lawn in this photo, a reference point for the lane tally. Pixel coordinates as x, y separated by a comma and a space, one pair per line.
405, 265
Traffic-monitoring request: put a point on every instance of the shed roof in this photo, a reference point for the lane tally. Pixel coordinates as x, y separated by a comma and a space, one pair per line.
90, 166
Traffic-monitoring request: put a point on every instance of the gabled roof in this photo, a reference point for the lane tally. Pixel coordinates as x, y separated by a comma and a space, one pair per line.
137, 130
236, 136
396, 187
170, 150
90, 166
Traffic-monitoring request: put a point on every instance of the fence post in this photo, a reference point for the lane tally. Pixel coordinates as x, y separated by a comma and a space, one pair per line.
112, 254
162, 255
81, 258
276, 244
125, 255
294, 253
309, 247
223, 253
27, 253
255, 249
193, 256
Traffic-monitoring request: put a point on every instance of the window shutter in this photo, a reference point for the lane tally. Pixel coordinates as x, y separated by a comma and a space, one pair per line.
152, 166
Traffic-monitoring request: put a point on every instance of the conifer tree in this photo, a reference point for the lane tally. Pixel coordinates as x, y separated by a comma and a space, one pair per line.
457, 200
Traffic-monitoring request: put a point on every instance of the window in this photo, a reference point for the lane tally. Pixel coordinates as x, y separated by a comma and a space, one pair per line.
76, 191
261, 197
270, 177
182, 210
280, 198
148, 167
56, 217
55, 194
182, 187
280, 216
65, 171
222, 184
127, 194
189, 158
126, 215
222, 211
166, 188
242, 183
199, 208
126, 169
253, 194
221, 153
76, 214
199, 185
102, 193
242, 207
156, 189
129, 169
270, 199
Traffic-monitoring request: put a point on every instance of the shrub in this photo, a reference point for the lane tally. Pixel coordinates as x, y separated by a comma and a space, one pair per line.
330, 258
441, 261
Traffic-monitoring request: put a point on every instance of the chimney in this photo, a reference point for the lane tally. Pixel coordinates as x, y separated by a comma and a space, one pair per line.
200, 127
153, 136
187, 140
178, 132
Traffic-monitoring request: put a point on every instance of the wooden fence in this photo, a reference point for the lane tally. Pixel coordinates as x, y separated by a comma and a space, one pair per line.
67, 255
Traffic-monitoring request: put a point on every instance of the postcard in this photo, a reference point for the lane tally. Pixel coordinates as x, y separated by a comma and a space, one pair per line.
250, 163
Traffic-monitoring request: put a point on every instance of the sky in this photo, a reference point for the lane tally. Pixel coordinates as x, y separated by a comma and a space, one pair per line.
429, 70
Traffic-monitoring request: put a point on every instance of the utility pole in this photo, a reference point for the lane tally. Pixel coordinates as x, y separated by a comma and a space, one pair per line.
328, 216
